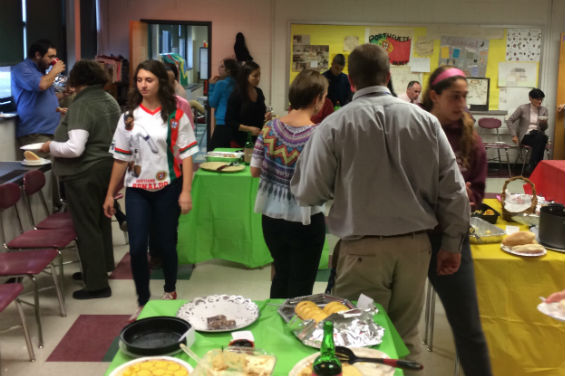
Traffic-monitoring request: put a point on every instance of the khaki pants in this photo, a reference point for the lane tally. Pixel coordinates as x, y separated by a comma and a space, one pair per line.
393, 272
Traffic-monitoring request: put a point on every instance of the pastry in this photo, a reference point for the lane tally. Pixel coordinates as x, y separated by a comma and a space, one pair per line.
519, 238
335, 307
31, 156
529, 248
308, 310
219, 322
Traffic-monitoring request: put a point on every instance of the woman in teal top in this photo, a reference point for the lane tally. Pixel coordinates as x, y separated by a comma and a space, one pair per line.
220, 90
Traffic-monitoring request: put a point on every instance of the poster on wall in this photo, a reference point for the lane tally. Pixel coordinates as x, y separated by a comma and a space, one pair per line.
397, 47
467, 54
401, 75
478, 95
518, 74
301, 39
310, 56
523, 45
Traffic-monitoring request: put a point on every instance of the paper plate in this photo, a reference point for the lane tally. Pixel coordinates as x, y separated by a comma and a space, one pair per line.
39, 162
234, 307
120, 370
35, 146
523, 254
214, 166
366, 369
555, 310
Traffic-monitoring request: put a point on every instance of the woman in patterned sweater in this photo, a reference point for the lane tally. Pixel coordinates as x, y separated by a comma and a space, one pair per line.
294, 234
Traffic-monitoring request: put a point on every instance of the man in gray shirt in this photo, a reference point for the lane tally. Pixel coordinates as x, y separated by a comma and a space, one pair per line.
393, 176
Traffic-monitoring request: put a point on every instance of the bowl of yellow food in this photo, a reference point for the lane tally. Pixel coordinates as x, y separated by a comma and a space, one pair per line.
486, 213
154, 366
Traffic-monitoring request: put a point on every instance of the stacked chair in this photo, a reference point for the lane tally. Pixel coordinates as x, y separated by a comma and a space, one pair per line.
9, 292
34, 251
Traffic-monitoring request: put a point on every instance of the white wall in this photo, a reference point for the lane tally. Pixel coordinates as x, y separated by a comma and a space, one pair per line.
266, 24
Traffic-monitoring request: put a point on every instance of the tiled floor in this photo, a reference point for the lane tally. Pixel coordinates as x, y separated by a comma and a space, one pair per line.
253, 283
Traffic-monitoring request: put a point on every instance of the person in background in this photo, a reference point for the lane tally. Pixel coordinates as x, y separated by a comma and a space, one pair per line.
221, 87
528, 124
179, 89
294, 234
182, 103
445, 98
246, 112
339, 90
386, 195
34, 94
412, 93
147, 139
83, 164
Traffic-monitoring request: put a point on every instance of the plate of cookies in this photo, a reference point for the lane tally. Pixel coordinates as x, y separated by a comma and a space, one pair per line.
522, 243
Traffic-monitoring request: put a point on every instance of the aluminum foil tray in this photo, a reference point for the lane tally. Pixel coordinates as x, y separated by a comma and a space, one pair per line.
483, 232
353, 328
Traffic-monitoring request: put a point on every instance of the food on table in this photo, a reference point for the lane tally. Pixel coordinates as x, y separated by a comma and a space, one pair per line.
308, 310
31, 156
220, 322
528, 248
519, 238
231, 363
489, 212
155, 367
335, 307
346, 370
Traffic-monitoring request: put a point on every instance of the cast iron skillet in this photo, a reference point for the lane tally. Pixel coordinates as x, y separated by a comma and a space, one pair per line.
153, 336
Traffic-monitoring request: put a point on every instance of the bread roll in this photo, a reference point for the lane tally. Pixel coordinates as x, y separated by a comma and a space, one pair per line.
31, 156
528, 248
335, 307
519, 238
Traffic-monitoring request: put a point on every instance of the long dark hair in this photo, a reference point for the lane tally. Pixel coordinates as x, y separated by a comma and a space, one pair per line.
166, 91
468, 136
243, 78
231, 66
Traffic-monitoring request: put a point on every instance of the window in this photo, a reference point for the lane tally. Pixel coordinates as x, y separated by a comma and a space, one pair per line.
5, 90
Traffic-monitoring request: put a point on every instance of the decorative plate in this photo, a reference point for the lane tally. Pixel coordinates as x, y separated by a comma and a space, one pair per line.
234, 307
182, 365
366, 369
218, 167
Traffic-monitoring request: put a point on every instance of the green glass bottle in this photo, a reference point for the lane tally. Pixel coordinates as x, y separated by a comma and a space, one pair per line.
337, 106
248, 149
327, 363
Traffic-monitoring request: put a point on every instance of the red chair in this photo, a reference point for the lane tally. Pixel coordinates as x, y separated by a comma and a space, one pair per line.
34, 181
492, 123
32, 239
9, 293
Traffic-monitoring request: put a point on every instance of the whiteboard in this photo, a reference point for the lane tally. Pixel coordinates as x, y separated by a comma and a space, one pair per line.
509, 98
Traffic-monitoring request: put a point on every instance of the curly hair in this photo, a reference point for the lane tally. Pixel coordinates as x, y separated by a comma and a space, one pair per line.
87, 72
166, 93
468, 134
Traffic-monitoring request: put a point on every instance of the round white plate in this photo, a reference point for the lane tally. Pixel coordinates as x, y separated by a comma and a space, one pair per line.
235, 307
366, 369
512, 252
118, 371
555, 310
35, 146
39, 162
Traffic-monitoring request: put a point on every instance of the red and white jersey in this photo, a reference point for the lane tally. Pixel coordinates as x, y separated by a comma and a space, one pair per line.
152, 147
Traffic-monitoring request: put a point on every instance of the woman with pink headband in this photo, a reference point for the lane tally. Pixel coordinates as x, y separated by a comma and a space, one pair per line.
445, 97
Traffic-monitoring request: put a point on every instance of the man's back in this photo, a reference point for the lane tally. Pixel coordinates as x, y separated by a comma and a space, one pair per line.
387, 165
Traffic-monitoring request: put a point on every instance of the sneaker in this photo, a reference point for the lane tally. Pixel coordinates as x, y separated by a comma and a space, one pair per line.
134, 316
169, 296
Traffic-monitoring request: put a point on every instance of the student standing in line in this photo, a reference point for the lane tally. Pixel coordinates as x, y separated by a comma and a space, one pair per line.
445, 97
148, 138
294, 234
246, 112
221, 88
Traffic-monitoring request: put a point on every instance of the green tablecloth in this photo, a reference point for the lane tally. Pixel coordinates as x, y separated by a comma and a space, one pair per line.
222, 223
271, 334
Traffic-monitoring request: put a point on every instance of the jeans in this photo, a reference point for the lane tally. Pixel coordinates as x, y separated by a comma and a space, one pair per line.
537, 140
142, 206
296, 250
459, 298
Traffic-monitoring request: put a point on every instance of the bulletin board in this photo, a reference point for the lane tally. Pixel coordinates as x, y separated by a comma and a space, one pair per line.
508, 57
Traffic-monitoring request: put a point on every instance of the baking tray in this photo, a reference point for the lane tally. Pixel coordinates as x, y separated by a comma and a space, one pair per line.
482, 232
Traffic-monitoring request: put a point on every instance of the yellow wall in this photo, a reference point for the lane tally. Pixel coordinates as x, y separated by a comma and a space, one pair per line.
333, 35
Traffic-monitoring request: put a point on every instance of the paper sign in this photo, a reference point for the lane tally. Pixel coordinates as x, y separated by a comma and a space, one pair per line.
511, 229
420, 64
445, 52
365, 302
243, 334
456, 52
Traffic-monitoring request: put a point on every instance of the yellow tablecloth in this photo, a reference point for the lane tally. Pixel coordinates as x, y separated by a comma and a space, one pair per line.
521, 340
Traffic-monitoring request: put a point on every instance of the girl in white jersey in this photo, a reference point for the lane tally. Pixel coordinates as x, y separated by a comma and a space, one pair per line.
151, 140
